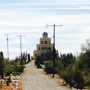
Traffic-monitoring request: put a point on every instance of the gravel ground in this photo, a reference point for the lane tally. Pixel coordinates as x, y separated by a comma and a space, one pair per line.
33, 79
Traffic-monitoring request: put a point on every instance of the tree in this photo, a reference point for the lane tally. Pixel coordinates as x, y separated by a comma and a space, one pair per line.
1, 64
67, 59
28, 57
68, 75
48, 67
38, 61
49, 55
25, 58
58, 66
86, 47
83, 64
79, 80
73, 77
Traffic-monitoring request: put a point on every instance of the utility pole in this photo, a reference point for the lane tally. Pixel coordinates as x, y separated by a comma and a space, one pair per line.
21, 47
7, 47
54, 51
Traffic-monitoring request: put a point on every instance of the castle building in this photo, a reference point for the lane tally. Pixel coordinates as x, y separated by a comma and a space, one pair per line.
44, 46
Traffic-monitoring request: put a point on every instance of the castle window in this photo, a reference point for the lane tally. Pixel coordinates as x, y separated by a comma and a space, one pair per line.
42, 48
39, 48
35, 55
45, 48
49, 48
45, 42
45, 54
41, 54
41, 42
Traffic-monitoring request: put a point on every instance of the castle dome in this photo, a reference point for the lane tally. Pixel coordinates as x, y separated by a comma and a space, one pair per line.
45, 34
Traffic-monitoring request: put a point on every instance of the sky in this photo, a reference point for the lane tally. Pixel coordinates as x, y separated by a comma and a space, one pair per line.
29, 17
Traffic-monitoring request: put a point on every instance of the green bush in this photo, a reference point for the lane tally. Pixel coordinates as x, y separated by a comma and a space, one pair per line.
14, 69
16, 73
73, 77
19, 68
8, 70
48, 67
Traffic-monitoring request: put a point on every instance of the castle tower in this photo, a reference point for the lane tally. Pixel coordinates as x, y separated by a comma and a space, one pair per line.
44, 46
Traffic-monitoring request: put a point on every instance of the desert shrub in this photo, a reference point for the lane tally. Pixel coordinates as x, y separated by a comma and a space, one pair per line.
48, 67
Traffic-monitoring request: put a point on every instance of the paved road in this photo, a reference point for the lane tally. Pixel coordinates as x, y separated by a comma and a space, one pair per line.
33, 79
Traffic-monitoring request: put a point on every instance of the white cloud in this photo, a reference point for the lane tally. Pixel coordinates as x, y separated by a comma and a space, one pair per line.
13, 23
31, 23
86, 30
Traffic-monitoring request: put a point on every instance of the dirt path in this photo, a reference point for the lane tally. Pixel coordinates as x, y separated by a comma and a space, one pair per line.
33, 79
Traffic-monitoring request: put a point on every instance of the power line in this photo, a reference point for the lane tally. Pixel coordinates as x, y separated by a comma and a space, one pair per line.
21, 46
53, 46
7, 46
